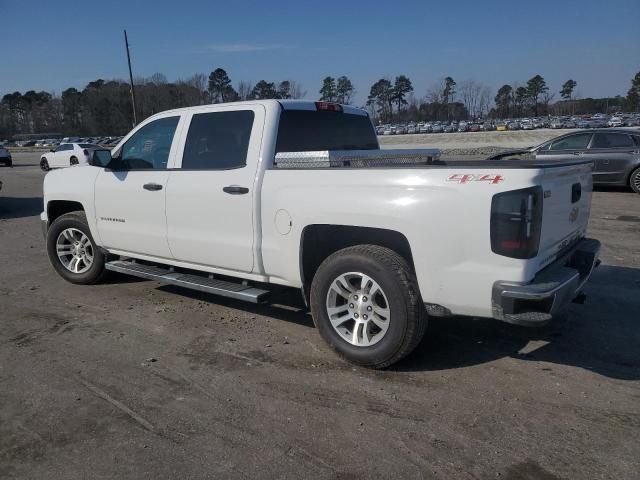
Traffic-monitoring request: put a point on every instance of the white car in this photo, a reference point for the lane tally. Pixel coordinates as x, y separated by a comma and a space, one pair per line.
67, 155
615, 122
233, 198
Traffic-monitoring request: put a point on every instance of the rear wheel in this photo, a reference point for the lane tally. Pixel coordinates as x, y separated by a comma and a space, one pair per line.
366, 305
73, 160
72, 250
634, 180
44, 165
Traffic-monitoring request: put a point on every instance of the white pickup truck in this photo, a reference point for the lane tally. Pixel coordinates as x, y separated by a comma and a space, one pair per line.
231, 198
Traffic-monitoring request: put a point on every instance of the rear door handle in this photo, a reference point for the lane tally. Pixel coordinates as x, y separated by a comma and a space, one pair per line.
235, 190
152, 186
577, 153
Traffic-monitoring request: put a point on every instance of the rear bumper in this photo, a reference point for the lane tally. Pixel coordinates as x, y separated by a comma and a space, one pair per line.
552, 289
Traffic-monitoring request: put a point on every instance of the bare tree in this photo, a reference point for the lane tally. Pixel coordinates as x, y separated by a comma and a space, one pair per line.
159, 78
295, 90
244, 90
485, 101
199, 81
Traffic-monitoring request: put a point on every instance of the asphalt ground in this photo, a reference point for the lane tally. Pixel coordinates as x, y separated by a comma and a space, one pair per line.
131, 379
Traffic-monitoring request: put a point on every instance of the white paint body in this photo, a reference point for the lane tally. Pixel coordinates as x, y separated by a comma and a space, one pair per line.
191, 223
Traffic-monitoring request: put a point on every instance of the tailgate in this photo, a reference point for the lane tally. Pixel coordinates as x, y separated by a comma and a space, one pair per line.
566, 207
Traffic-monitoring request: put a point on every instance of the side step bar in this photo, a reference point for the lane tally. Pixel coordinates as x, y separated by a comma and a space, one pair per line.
237, 291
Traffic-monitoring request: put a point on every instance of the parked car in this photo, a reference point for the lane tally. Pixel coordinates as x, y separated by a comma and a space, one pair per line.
463, 126
5, 157
437, 128
615, 154
513, 125
474, 127
369, 280
67, 155
527, 124
501, 127
615, 122
448, 128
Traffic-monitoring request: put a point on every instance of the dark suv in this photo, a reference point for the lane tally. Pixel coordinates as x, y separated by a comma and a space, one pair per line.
615, 154
5, 156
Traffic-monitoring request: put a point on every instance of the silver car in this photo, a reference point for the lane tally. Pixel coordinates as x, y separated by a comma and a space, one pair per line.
615, 154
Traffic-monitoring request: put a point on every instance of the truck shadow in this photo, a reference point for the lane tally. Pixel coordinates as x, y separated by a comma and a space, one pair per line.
20, 207
601, 336
285, 304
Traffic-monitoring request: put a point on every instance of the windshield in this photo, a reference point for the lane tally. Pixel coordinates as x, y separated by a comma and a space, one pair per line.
308, 131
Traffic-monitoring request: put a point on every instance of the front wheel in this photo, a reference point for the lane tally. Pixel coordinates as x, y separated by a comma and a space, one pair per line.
72, 250
366, 305
634, 180
44, 165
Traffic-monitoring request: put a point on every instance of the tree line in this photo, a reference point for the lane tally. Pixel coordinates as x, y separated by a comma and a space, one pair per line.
104, 107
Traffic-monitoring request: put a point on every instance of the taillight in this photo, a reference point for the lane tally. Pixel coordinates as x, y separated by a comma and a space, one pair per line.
328, 107
516, 221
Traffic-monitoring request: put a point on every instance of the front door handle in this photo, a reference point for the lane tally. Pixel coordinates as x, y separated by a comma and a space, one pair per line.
235, 190
577, 153
152, 187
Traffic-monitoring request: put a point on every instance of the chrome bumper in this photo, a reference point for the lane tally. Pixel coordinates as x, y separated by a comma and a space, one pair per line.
552, 289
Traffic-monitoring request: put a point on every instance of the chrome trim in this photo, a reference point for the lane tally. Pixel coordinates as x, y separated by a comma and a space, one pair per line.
194, 282
356, 158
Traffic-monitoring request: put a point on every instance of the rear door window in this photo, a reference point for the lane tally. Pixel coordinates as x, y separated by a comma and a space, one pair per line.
612, 140
573, 142
310, 130
218, 140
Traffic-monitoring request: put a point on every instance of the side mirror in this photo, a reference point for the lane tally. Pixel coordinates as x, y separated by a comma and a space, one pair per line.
100, 158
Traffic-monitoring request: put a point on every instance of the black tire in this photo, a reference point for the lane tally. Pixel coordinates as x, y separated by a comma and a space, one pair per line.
408, 318
634, 180
73, 160
44, 165
76, 220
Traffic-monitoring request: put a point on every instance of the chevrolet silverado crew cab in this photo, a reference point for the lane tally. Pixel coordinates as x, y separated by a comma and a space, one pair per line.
234, 198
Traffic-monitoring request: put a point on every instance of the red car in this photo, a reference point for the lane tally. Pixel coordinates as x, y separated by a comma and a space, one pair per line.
474, 128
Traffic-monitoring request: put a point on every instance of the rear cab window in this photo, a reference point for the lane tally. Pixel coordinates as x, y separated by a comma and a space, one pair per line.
311, 130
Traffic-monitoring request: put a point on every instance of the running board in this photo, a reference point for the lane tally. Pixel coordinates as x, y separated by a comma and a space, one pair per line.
237, 291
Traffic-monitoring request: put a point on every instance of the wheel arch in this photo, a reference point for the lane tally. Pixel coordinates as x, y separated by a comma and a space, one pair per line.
318, 241
57, 208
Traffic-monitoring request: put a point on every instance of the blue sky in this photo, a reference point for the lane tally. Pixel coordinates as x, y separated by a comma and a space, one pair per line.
56, 44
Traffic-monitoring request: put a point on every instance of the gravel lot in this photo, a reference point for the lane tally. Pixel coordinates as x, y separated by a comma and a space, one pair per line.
130, 379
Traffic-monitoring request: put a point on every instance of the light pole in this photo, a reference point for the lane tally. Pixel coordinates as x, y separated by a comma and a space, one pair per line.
133, 93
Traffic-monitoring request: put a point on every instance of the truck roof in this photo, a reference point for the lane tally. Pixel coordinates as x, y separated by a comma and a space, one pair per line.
284, 104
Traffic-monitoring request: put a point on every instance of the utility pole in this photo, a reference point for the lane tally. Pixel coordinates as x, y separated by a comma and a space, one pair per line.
133, 93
